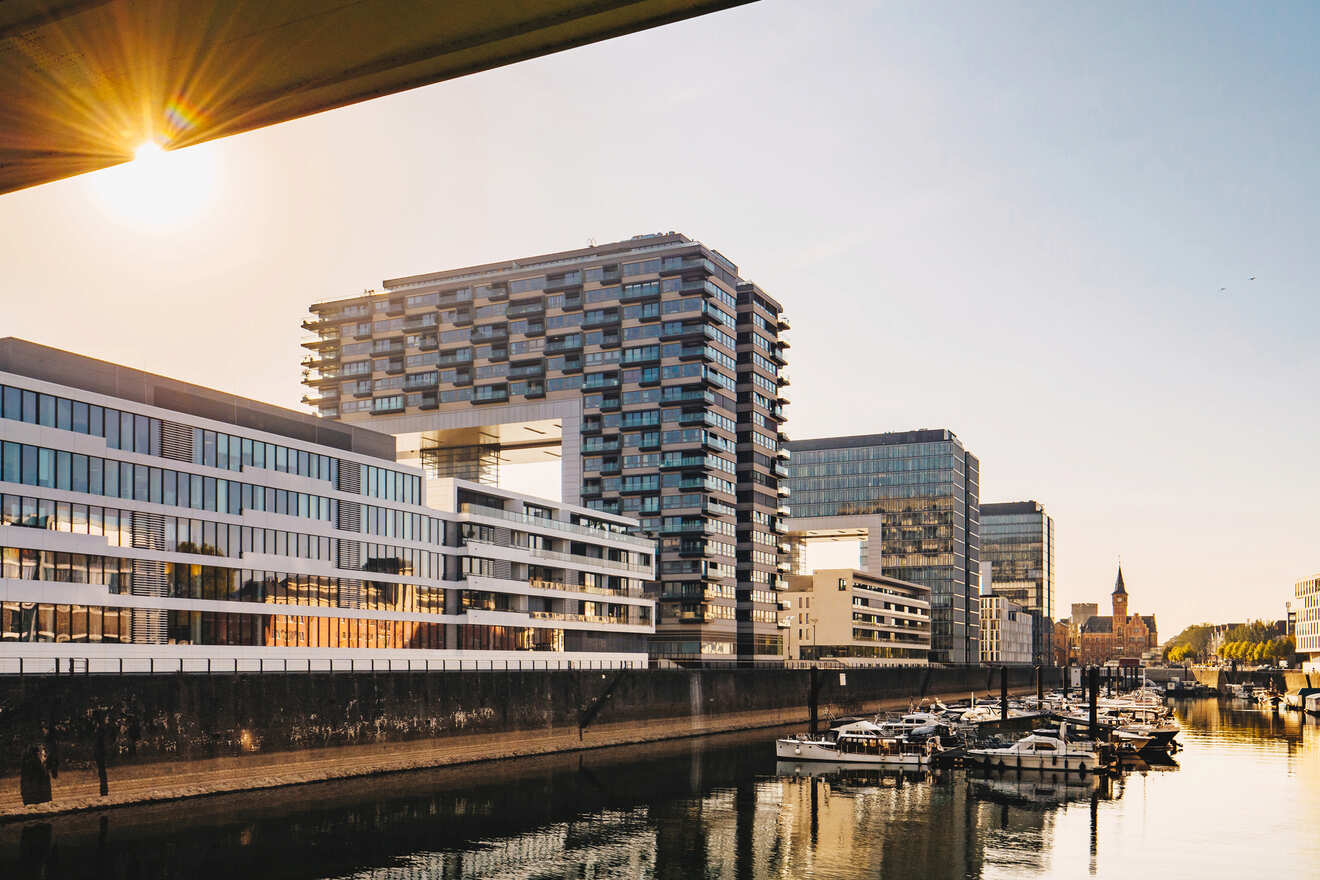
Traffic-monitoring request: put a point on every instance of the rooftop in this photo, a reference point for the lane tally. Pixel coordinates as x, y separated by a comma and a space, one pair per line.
1007, 508
24, 358
892, 438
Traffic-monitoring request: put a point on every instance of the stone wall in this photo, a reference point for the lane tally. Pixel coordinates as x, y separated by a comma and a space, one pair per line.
183, 717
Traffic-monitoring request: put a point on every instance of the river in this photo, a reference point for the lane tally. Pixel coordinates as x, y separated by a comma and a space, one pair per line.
1241, 799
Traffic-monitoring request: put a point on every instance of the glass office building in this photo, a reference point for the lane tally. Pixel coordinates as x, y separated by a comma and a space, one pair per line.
925, 485
1017, 540
647, 369
151, 524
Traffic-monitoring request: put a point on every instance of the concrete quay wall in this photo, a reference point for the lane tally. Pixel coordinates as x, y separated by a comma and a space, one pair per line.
179, 718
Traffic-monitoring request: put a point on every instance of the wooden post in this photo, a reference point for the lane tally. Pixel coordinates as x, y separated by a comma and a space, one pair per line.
1003, 693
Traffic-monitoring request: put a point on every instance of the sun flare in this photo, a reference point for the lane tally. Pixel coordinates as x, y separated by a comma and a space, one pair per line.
160, 189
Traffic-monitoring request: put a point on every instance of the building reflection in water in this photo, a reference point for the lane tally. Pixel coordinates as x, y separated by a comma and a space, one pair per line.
713, 809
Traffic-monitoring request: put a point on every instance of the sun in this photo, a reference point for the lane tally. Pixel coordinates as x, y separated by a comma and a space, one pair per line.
160, 189
147, 151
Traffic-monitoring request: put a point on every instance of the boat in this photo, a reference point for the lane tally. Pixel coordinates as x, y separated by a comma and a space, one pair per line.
1312, 704
1131, 739
1038, 751
1297, 699
858, 742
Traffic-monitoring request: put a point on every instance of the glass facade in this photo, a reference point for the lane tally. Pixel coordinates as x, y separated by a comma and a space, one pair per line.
123, 523
1017, 540
677, 364
926, 487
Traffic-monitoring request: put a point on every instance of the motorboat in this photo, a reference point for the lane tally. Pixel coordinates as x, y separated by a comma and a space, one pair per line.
1312, 704
1038, 751
1297, 699
1130, 740
859, 742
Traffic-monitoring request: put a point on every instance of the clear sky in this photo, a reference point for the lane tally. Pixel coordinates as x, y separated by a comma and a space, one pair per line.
1011, 220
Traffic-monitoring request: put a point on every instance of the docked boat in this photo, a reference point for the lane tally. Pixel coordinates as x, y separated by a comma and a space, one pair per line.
1131, 740
1312, 704
1038, 751
859, 742
1297, 699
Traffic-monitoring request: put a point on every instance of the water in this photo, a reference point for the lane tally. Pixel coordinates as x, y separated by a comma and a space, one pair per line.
1243, 799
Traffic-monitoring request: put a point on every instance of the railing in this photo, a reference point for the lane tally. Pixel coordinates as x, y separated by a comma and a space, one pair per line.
579, 618
558, 525
70, 666
540, 584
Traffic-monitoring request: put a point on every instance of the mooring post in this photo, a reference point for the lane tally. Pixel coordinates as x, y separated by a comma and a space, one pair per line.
1094, 682
1067, 678
1040, 687
813, 694
1003, 693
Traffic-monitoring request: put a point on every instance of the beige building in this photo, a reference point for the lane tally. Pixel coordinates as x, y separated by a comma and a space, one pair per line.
856, 617
1306, 606
1006, 632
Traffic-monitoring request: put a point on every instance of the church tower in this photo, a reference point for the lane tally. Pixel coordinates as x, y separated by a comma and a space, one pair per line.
1120, 608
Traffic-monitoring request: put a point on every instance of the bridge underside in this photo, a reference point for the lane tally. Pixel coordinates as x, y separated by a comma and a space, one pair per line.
84, 82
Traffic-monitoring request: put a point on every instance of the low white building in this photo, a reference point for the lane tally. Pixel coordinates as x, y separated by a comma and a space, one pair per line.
1006, 632
153, 525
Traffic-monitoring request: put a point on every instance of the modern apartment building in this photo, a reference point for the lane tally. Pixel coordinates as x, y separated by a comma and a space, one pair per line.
152, 524
1306, 607
648, 368
1006, 632
857, 618
1017, 540
926, 487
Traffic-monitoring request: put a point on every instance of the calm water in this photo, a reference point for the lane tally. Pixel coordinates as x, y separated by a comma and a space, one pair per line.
1243, 799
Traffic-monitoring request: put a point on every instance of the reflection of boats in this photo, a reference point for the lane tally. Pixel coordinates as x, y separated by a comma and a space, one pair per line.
1036, 787
853, 773
1037, 751
858, 742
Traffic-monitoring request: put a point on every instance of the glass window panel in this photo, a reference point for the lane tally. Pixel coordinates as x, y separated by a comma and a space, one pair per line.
79, 483
46, 410
30, 407
80, 417
142, 434
126, 431
13, 463
64, 413
63, 470
13, 403
95, 420
46, 467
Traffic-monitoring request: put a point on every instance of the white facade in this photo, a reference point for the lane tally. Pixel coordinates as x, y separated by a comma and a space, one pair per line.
1306, 606
1005, 632
208, 549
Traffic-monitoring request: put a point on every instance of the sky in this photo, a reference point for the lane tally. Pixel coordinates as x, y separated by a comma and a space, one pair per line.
1034, 224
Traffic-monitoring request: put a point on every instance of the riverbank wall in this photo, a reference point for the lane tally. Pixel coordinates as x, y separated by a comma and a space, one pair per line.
178, 735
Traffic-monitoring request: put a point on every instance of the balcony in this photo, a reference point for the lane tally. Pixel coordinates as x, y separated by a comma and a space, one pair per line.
558, 284
394, 368
783, 454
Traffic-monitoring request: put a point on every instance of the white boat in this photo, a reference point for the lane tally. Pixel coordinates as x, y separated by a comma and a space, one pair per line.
1038, 751
858, 742
1131, 739
1313, 704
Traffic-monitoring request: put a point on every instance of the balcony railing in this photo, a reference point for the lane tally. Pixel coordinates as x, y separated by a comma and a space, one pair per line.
542, 584
558, 525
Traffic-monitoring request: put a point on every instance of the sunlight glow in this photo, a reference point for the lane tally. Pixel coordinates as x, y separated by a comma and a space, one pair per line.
160, 189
